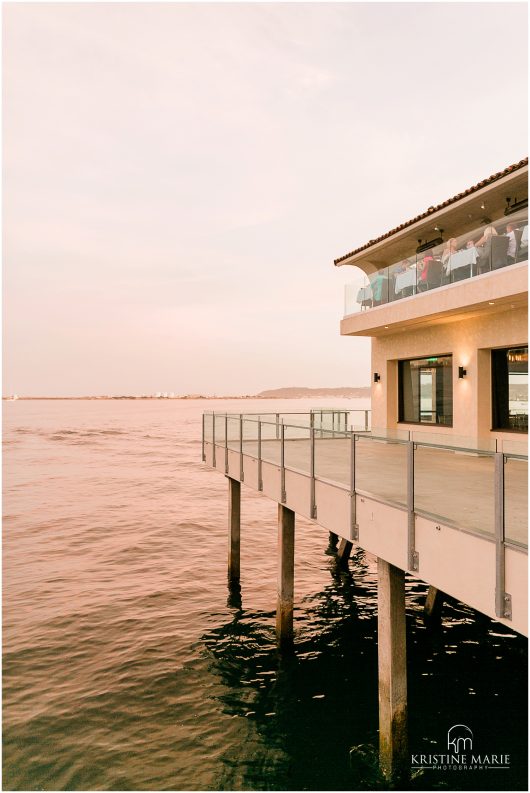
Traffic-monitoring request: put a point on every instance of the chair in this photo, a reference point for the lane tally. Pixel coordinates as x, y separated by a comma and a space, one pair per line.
461, 273
499, 252
434, 274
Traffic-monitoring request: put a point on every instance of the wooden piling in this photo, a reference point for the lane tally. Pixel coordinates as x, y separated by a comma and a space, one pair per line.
344, 552
432, 610
392, 663
234, 529
284, 609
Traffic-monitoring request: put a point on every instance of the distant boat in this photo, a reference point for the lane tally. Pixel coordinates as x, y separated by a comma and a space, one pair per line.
12, 398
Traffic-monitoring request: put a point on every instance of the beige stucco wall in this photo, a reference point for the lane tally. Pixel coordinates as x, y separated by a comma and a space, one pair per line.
469, 341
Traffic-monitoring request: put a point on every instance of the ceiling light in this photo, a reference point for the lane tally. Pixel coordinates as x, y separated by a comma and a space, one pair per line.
491, 303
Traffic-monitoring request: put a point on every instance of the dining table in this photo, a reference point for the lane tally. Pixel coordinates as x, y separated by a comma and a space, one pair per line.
463, 258
404, 279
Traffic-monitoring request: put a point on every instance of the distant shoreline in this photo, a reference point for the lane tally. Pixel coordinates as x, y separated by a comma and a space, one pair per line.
280, 393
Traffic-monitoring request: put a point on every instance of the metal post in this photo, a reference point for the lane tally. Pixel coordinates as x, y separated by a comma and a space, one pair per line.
260, 479
226, 443
503, 601
353, 506
313, 511
241, 474
366, 420
413, 560
203, 456
213, 439
283, 495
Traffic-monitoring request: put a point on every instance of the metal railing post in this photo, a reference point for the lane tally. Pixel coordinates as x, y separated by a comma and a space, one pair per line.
203, 456
503, 601
213, 439
226, 443
241, 474
283, 494
260, 479
366, 420
353, 506
313, 511
413, 559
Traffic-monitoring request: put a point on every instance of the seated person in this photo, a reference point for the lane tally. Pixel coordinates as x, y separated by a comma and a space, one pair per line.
489, 232
512, 243
423, 270
450, 248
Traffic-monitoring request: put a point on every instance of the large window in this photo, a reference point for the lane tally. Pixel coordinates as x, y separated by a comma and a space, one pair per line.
426, 390
509, 378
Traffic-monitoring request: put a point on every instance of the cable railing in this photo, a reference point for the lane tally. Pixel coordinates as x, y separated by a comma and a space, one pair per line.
478, 486
490, 247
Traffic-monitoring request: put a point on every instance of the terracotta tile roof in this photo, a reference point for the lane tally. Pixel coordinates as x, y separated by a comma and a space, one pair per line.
493, 178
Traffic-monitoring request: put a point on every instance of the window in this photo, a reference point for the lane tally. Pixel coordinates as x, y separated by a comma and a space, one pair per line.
426, 390
509, 379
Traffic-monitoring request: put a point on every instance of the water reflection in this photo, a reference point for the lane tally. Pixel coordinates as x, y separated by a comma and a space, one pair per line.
312, 714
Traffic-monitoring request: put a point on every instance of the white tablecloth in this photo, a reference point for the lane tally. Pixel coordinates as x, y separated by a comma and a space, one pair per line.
461, 259
408, 278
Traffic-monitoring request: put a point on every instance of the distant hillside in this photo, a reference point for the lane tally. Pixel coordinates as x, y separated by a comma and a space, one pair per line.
297, 393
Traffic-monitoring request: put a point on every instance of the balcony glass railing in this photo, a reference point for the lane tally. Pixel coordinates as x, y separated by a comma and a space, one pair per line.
482, 250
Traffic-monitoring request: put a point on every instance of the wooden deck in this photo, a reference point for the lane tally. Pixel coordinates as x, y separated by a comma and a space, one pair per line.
452, 486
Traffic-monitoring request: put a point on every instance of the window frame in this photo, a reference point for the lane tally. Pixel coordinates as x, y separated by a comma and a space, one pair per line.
494, 428
401, 406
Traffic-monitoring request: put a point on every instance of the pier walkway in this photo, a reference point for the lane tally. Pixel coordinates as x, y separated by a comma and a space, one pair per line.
454, 515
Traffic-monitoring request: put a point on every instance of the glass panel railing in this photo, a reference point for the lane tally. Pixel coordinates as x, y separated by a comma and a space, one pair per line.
220, 420
455, 487
332, 456
463, 442
516, 500
297, 448
270, 440
381, 468
515, 447
232, 432
486, 248
208, 427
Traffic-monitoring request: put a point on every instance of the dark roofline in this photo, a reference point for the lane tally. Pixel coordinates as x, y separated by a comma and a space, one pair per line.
493, 178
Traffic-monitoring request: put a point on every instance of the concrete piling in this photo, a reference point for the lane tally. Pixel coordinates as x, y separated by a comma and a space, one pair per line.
392, 666
284, 609
234, 530
344, 552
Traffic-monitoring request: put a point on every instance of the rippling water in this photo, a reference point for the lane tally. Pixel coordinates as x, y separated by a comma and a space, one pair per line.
128, 666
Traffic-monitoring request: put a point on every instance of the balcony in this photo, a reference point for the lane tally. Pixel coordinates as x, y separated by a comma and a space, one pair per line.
453, 514
483, 250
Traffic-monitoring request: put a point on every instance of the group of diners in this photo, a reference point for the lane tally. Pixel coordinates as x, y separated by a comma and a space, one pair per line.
458, 259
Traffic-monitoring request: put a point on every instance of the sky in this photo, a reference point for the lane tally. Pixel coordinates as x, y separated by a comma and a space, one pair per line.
178, 178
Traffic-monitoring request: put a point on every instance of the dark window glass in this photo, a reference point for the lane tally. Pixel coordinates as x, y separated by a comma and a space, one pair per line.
509, 378
426, 390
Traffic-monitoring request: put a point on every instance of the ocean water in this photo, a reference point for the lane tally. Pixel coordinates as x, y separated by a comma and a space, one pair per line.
129, 666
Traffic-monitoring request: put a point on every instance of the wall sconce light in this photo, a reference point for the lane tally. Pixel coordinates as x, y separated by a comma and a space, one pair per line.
377, 377
462, 372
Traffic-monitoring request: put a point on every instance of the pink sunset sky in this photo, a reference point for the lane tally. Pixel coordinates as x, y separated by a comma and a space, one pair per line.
178, 178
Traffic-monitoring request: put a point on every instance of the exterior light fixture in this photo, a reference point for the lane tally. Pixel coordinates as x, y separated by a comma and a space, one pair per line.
462, 372
377, 377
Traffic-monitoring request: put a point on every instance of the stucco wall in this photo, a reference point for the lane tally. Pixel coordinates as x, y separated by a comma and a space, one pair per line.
469, 341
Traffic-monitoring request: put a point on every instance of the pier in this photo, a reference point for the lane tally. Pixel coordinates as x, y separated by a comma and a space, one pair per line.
453, 515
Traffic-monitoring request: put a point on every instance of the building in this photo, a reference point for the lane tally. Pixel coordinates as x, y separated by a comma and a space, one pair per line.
436, 485
448, 321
